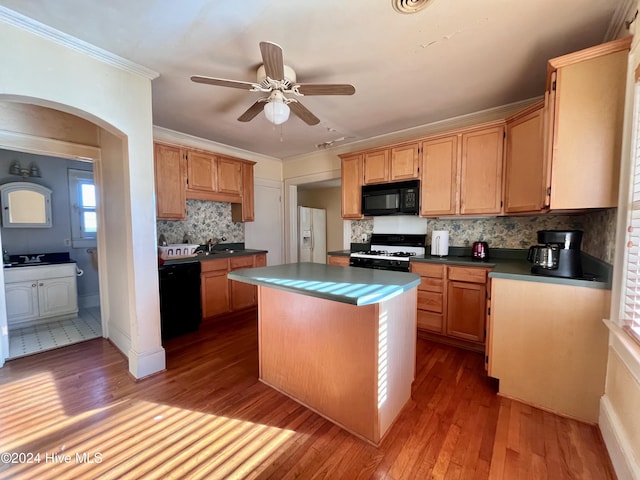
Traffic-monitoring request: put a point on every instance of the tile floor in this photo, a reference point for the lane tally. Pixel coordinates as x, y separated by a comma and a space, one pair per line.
46, 336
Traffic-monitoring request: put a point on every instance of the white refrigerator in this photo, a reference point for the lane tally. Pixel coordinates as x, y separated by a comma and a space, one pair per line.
312, 235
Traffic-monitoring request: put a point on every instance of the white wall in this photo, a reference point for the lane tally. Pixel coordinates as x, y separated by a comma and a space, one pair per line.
37, 68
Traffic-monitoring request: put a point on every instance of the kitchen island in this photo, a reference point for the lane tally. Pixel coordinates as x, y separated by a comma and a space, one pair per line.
339, 340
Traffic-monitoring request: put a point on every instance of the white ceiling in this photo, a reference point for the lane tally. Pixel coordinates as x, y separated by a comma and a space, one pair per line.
452, 58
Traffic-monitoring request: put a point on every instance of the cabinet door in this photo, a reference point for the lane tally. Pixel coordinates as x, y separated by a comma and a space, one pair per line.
261, 260
481, 171
587, 132
243, 295
202, 172
352, 187
215, 293
525, 186
245, 211
22, 301
229, 176
342, 261
466, 304
438, 174
376, 167
170, 182
404, 162
57, 296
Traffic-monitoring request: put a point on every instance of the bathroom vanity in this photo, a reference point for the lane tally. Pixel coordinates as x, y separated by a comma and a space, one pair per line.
40, 293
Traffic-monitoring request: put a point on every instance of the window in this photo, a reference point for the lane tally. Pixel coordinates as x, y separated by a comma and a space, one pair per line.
630, 308
82, 198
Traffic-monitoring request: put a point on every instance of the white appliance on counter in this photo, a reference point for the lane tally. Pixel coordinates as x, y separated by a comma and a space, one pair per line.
440, 243
312, 235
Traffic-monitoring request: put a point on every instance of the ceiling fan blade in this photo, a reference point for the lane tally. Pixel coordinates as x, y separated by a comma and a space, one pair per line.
221, 82
272, 60
252, 111
305, 115
325, 89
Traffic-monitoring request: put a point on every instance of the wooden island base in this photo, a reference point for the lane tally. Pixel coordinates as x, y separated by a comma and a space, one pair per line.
354, 365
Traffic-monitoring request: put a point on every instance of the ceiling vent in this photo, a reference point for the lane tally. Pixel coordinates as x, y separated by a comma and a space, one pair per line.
409, 6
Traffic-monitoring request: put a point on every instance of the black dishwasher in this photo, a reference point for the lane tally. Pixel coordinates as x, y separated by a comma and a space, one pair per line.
180, 310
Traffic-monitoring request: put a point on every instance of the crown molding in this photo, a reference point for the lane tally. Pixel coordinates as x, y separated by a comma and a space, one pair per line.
44, 31
618, 25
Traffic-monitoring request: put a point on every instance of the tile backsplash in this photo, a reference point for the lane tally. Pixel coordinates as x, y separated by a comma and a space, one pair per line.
519, 232
205, 220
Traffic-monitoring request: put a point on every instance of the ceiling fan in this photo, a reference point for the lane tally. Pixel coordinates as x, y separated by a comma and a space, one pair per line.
278, 79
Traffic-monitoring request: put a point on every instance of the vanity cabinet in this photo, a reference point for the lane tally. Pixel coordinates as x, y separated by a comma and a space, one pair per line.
170, 177
25, 205
40, 293
585, 107
352, 181
525, 168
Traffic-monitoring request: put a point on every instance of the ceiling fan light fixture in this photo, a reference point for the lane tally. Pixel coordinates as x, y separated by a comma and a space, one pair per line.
276, 111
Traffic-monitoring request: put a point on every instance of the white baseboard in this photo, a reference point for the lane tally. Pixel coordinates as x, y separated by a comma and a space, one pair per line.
120, 339
615, 439
144, 364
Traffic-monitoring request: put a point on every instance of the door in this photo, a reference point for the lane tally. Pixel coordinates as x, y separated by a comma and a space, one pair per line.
266, 231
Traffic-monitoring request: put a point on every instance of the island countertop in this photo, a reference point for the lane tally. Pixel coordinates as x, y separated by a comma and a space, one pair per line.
356, 286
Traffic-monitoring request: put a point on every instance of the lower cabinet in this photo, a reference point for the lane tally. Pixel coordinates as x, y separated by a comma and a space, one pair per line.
39, 293
341, 260
452, 304
219, 295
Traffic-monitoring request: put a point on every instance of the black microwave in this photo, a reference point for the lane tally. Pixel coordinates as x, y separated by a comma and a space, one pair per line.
400, 198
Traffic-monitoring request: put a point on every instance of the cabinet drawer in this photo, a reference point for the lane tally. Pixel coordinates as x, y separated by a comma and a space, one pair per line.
430, 301
428, 269
431, 285
212, 265
471, 274
430, 321
241, 262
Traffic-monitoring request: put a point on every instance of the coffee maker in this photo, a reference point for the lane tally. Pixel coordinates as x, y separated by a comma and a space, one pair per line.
558, 254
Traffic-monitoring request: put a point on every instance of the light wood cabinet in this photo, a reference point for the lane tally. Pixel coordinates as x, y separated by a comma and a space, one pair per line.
376, 167
341, 260
170, 178
452, 304
481, 171
461, 172
393, 164
214, 287
229, 176
439, 167
525, 179
352, 179
585, 107
219, 295
245, 211
431, 297
202, 172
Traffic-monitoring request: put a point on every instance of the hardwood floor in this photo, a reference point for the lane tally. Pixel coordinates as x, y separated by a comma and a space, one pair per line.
207, 416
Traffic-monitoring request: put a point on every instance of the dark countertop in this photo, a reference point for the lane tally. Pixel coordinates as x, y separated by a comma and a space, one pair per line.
213, 256
356, 286
512, 264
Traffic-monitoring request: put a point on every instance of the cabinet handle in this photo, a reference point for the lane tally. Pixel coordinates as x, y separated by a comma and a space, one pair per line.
34, 285
41, 284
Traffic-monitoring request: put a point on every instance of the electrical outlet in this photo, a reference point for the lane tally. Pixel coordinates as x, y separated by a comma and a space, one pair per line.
364, 238
67, 242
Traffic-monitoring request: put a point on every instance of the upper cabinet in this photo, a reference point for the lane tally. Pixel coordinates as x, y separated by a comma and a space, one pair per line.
170, 178
585, 104
183, 173
352, 179
25, 205
461, 172
525, 179
391, 164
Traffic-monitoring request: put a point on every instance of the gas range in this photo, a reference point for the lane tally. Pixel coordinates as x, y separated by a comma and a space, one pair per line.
389, 252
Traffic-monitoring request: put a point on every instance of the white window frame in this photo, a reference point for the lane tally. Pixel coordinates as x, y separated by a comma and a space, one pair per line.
79, 237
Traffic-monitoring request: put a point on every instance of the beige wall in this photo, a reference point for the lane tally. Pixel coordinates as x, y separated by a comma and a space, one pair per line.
117, 98
330, 200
